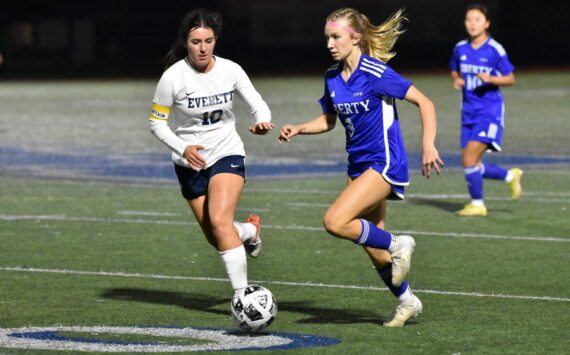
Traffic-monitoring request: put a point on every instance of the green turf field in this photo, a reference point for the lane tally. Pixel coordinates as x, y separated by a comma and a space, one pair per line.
96, 247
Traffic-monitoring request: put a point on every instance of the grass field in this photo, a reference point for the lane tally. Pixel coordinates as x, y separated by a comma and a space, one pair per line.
94, 233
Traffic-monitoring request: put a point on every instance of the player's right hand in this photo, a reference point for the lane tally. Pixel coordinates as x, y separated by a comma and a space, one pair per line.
287, 132
458, 83
193, 156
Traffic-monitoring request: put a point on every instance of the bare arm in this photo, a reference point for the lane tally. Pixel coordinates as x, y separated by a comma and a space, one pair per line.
507, 80
430, 156
458, 81
323, 123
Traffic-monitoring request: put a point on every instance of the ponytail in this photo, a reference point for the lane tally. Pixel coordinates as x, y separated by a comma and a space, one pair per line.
381, 39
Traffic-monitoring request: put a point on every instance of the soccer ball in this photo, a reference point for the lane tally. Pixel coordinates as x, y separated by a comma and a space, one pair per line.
253, 308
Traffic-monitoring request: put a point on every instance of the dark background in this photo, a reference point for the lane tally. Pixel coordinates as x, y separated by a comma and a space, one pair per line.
129, 38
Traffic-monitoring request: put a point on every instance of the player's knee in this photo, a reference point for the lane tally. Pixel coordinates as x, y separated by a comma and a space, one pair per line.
220, 225
332, 224
469, 161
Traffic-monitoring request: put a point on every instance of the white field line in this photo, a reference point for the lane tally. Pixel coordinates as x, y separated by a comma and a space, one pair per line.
544, 193
286, 283
175, 214
305, 204
149, 213
553, 172
294, 191
250, 209
150, 221
491, 198
543, 196
170, 184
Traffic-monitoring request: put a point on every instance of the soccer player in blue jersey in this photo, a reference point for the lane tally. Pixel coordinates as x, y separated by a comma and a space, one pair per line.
360, 89
479, 65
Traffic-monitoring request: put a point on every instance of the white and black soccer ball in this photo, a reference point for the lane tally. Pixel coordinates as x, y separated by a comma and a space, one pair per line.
253, 308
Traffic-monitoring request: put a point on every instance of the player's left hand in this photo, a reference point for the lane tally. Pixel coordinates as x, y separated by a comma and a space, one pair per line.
431, 159
261, 128
486, 78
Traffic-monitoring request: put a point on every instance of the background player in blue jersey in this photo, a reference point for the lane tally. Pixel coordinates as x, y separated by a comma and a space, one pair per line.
360, 90
479, 66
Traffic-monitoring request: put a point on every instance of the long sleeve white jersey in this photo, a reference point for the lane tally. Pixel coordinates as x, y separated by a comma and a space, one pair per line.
199, 107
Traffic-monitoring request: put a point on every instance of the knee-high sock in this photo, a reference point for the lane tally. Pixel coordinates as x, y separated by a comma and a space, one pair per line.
245, 231
494, 172
372, 236
235, 263
474, 182
401, 291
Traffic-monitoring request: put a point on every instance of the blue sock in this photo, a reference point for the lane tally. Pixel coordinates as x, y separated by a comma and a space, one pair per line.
474, 182
494, 172
372, 236
386, 276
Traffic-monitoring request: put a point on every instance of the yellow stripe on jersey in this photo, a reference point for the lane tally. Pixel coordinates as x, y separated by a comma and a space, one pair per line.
159, 112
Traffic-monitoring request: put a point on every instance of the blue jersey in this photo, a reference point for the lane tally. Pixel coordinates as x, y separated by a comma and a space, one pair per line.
481, 101
366, 108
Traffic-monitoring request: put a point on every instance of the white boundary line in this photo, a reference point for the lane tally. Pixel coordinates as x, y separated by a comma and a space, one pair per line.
149, 213
490, 198
171, 184
185, 223
542, 197
286, 283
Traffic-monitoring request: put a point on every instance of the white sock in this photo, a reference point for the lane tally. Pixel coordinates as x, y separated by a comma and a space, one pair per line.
245, 231
406, 296
393, 243
478, 203
235, 263
509, 176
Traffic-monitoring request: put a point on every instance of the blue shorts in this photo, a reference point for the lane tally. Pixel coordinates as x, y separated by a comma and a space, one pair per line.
355, 170
490, 133
194, 183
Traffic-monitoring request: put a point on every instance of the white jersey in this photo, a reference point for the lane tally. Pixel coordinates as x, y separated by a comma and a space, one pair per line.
199, 106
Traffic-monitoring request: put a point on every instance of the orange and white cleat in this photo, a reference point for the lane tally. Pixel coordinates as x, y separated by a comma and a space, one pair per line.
253, 245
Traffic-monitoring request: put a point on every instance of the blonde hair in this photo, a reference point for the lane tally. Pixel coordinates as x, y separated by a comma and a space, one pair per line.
376, 41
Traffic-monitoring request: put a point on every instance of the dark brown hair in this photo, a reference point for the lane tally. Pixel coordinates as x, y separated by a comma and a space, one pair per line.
199, 18
482, 8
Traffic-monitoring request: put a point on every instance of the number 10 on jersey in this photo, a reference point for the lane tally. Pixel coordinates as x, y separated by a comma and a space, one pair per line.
212, 117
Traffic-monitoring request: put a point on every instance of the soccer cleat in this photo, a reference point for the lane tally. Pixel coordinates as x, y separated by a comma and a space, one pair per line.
403, 312
253, 245
402, 258
472, 211
515, 184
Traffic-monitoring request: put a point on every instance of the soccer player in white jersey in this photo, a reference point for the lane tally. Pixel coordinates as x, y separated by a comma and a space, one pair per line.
361, 90
195, 95
479, 65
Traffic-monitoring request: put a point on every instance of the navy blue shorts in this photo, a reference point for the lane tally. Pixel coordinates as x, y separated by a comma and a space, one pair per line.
194, 183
